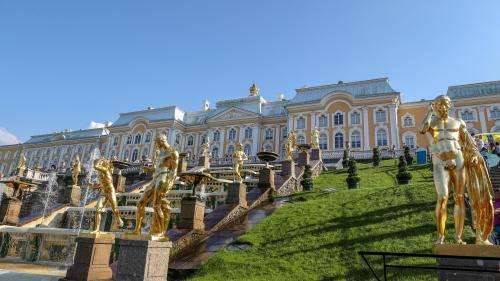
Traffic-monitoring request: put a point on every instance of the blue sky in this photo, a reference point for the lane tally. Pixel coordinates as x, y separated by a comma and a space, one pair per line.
66, 63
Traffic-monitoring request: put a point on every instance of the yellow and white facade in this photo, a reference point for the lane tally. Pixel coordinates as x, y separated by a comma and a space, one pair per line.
364, 114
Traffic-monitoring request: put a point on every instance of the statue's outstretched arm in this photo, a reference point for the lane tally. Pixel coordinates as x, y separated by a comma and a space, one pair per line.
426, 124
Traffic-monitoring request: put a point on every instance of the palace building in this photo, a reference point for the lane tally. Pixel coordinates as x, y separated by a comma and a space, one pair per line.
363, 114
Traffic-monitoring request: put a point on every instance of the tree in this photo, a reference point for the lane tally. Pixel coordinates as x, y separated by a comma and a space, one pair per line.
307, 181
352, 174
408, 156
376, 157
403, 175
345, 159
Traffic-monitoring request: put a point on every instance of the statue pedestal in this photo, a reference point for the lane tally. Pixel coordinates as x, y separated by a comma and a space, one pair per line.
204, 162
475, 263
316, 154
91, 258
287, 169
143, 260
192, 213
303, 158
266, 178
70, 194
237, 194
9, 210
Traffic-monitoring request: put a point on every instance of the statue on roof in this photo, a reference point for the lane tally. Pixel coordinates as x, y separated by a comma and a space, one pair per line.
458, 164
254, 90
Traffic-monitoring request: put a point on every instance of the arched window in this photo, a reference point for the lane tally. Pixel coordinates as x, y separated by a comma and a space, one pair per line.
355, 118
285, 132
232, 134
247, 149
380, 116
135, 155
148, 137
137, 139
408, 121
382, 137
269, 134
301, 140
203, 138
177, 138
301, 122
190, 141
338, 119
323, 121
338, 140
216, 135
323, 141
248, 133
230, 149
215, 152
129, 139
495, 113
467, 115
410, 141
355, 139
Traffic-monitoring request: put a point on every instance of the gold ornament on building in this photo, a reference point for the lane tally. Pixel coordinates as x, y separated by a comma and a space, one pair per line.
254, 90
315, 138
457, 163
164, 170
104, 169
238, 157
290, 145
76, 169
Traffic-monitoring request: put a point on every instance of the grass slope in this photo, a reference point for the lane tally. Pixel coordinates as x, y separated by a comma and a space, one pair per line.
318, 234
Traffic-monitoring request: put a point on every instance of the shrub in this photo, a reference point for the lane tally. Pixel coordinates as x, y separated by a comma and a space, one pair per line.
403, 175
307, 182
345, 158
408, 156
376, 157
352, 175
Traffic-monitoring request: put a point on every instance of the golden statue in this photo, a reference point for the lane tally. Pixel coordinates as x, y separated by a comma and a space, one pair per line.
458, 163
165, 162
238, 157
254, 90
315, 138
290, 145
108, 194
21, 166
76, 168
205, 149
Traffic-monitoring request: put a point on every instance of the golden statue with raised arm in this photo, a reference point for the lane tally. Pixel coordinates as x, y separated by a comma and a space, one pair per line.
315, 138
457, 163
290, 144
238, 157
76, 168
104, 169
21, 166
165, 162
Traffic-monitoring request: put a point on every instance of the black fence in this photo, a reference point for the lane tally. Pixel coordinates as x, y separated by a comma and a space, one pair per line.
400, 266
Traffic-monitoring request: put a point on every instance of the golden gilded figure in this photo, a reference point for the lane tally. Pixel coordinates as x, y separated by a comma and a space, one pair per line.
76, 168
164, 171
458, 164
21, 166
238, 157
290, 145
315, 138
108, 194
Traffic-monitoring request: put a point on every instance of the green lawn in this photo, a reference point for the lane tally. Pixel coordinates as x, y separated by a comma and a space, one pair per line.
318, 234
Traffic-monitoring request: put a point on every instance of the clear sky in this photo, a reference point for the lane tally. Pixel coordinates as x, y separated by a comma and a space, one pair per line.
66, 63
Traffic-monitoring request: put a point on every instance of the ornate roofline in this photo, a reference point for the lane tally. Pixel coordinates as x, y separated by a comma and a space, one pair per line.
304, 89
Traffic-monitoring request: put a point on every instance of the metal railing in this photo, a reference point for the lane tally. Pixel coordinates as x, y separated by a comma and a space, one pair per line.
387, 265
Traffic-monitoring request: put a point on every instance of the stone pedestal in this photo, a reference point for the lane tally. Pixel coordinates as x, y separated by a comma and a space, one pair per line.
143, 260
204, 162
237, 194
192, 213
303, 158
119, 182
9, 210
316, 154
287, 169
183, 164
476, 263
70, 194
91, 259
266, 178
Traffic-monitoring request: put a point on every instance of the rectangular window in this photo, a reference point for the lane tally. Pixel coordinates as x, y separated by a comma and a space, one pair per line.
380, 116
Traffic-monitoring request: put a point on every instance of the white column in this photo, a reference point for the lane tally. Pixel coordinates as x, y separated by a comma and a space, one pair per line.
394, 125
242, 134
255, 138
366, 132
277, 138
222, 149
482, 119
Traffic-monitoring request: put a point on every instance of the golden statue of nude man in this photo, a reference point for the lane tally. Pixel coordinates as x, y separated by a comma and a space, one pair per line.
457, 164
76, 169
108, 194
238, 157
165, 162
290, 145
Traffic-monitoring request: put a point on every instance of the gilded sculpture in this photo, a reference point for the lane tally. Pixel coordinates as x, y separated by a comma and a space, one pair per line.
21, 166
76, 168
290, 145
315, 138
458, 164
164, 171
104, 169
238, 157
